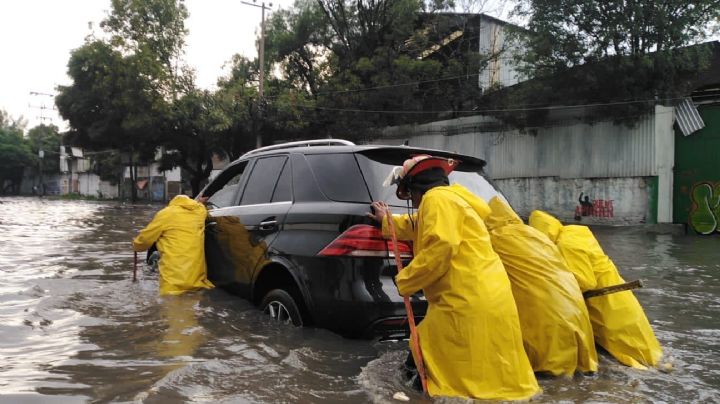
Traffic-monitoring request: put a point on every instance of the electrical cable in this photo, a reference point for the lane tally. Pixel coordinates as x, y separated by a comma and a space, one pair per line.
480, 111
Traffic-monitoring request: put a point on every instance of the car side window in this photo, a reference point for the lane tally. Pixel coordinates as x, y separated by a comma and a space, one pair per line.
283, 189
261, 184
226, 187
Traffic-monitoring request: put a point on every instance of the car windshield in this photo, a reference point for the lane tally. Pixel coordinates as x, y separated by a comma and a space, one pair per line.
376, 171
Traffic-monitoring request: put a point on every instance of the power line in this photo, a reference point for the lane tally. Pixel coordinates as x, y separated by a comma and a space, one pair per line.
42, 107
479, 111
409, 83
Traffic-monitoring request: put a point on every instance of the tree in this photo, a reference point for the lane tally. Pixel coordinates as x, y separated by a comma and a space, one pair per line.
154, 32
568, 33
239, 99
122, 88
590, 52
192, 133
110, 104
279, 116
15, 154
339, 57
46, 138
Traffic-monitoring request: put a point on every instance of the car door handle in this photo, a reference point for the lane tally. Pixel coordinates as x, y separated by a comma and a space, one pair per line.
269, 224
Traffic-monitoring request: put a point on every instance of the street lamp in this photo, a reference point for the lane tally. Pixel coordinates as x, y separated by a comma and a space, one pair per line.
261, 56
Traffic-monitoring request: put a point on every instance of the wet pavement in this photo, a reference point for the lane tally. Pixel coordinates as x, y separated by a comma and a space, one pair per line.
75, 328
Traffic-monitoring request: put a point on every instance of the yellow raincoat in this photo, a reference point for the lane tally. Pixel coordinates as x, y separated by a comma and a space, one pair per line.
179, 230
470, 337
619, 322
555, 324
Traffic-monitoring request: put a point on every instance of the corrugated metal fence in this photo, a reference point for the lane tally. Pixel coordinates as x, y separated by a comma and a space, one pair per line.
570, 150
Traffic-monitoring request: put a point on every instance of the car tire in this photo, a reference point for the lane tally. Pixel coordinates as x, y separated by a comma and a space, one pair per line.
281, 306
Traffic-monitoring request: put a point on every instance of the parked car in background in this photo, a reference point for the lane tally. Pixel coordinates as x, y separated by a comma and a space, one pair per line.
288, 230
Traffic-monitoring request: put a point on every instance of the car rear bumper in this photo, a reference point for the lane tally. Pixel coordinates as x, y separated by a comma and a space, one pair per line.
358, 298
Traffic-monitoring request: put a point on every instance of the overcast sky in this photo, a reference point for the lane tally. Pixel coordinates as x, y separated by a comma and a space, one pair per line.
36, 37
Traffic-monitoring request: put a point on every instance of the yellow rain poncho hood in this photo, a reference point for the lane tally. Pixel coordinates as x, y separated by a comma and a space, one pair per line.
179, 230
555, 324
619, 322
470, 337
552, 228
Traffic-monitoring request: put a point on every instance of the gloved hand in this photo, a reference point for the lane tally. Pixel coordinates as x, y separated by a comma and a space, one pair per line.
380, 209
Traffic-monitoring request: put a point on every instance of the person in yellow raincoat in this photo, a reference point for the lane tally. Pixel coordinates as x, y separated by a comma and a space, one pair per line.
555, 323
470, 337
619, 322
179, 231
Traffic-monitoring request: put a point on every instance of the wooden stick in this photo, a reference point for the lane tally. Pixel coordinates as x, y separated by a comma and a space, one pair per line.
414, 337
613, 289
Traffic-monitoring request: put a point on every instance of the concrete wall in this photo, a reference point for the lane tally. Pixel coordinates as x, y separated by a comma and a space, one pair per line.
89, 184
625, 200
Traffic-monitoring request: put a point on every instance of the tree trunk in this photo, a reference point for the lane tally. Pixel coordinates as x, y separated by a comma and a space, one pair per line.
195, 184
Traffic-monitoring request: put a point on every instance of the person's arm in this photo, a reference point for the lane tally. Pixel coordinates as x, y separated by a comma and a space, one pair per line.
149, 235
404, 226
440, 237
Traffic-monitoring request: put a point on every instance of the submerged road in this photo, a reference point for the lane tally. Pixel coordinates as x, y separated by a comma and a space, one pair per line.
75, 328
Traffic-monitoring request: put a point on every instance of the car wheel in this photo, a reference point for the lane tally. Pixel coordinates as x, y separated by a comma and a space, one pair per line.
281, 306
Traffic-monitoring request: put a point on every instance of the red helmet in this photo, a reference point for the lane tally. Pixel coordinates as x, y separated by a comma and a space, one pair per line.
415, 165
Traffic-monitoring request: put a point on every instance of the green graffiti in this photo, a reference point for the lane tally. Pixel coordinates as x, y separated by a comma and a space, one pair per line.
705, 210
716, 200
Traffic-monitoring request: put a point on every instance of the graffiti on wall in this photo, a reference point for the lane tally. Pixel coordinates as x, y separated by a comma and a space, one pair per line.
595, 207
705, 208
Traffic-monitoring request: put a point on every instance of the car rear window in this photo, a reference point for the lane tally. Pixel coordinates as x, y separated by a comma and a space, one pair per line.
376, 171
339, 177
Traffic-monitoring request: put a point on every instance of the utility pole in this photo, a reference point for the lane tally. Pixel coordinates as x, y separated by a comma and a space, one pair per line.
42, 107
41, 153
261, 57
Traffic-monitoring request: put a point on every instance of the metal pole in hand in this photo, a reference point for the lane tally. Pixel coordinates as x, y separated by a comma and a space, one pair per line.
613, 289
414, 337
135, 268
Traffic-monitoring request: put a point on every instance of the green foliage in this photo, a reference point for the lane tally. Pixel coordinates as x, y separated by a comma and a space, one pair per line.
110, 103
46, 138
15, 154
568, 33
609, 52
237, 98
108, 166
154, 32
192, 131
122, 88
342, 57
298, 39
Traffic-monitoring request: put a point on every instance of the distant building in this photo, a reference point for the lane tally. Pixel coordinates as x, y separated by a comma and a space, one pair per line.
491, 37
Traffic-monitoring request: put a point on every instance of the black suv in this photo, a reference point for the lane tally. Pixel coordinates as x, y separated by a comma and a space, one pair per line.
289, 231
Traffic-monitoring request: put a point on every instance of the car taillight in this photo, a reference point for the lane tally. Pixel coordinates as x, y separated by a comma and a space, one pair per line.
363, 240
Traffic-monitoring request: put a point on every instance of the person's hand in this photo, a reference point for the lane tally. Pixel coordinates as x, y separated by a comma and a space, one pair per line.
202, 199
379, 211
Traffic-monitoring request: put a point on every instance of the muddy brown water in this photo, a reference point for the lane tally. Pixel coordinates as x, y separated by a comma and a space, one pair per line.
75, 328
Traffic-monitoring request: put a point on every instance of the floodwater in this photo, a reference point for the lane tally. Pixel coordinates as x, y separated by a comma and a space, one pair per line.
75, 328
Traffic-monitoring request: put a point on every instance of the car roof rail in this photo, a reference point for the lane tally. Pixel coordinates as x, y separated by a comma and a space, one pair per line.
302, 143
